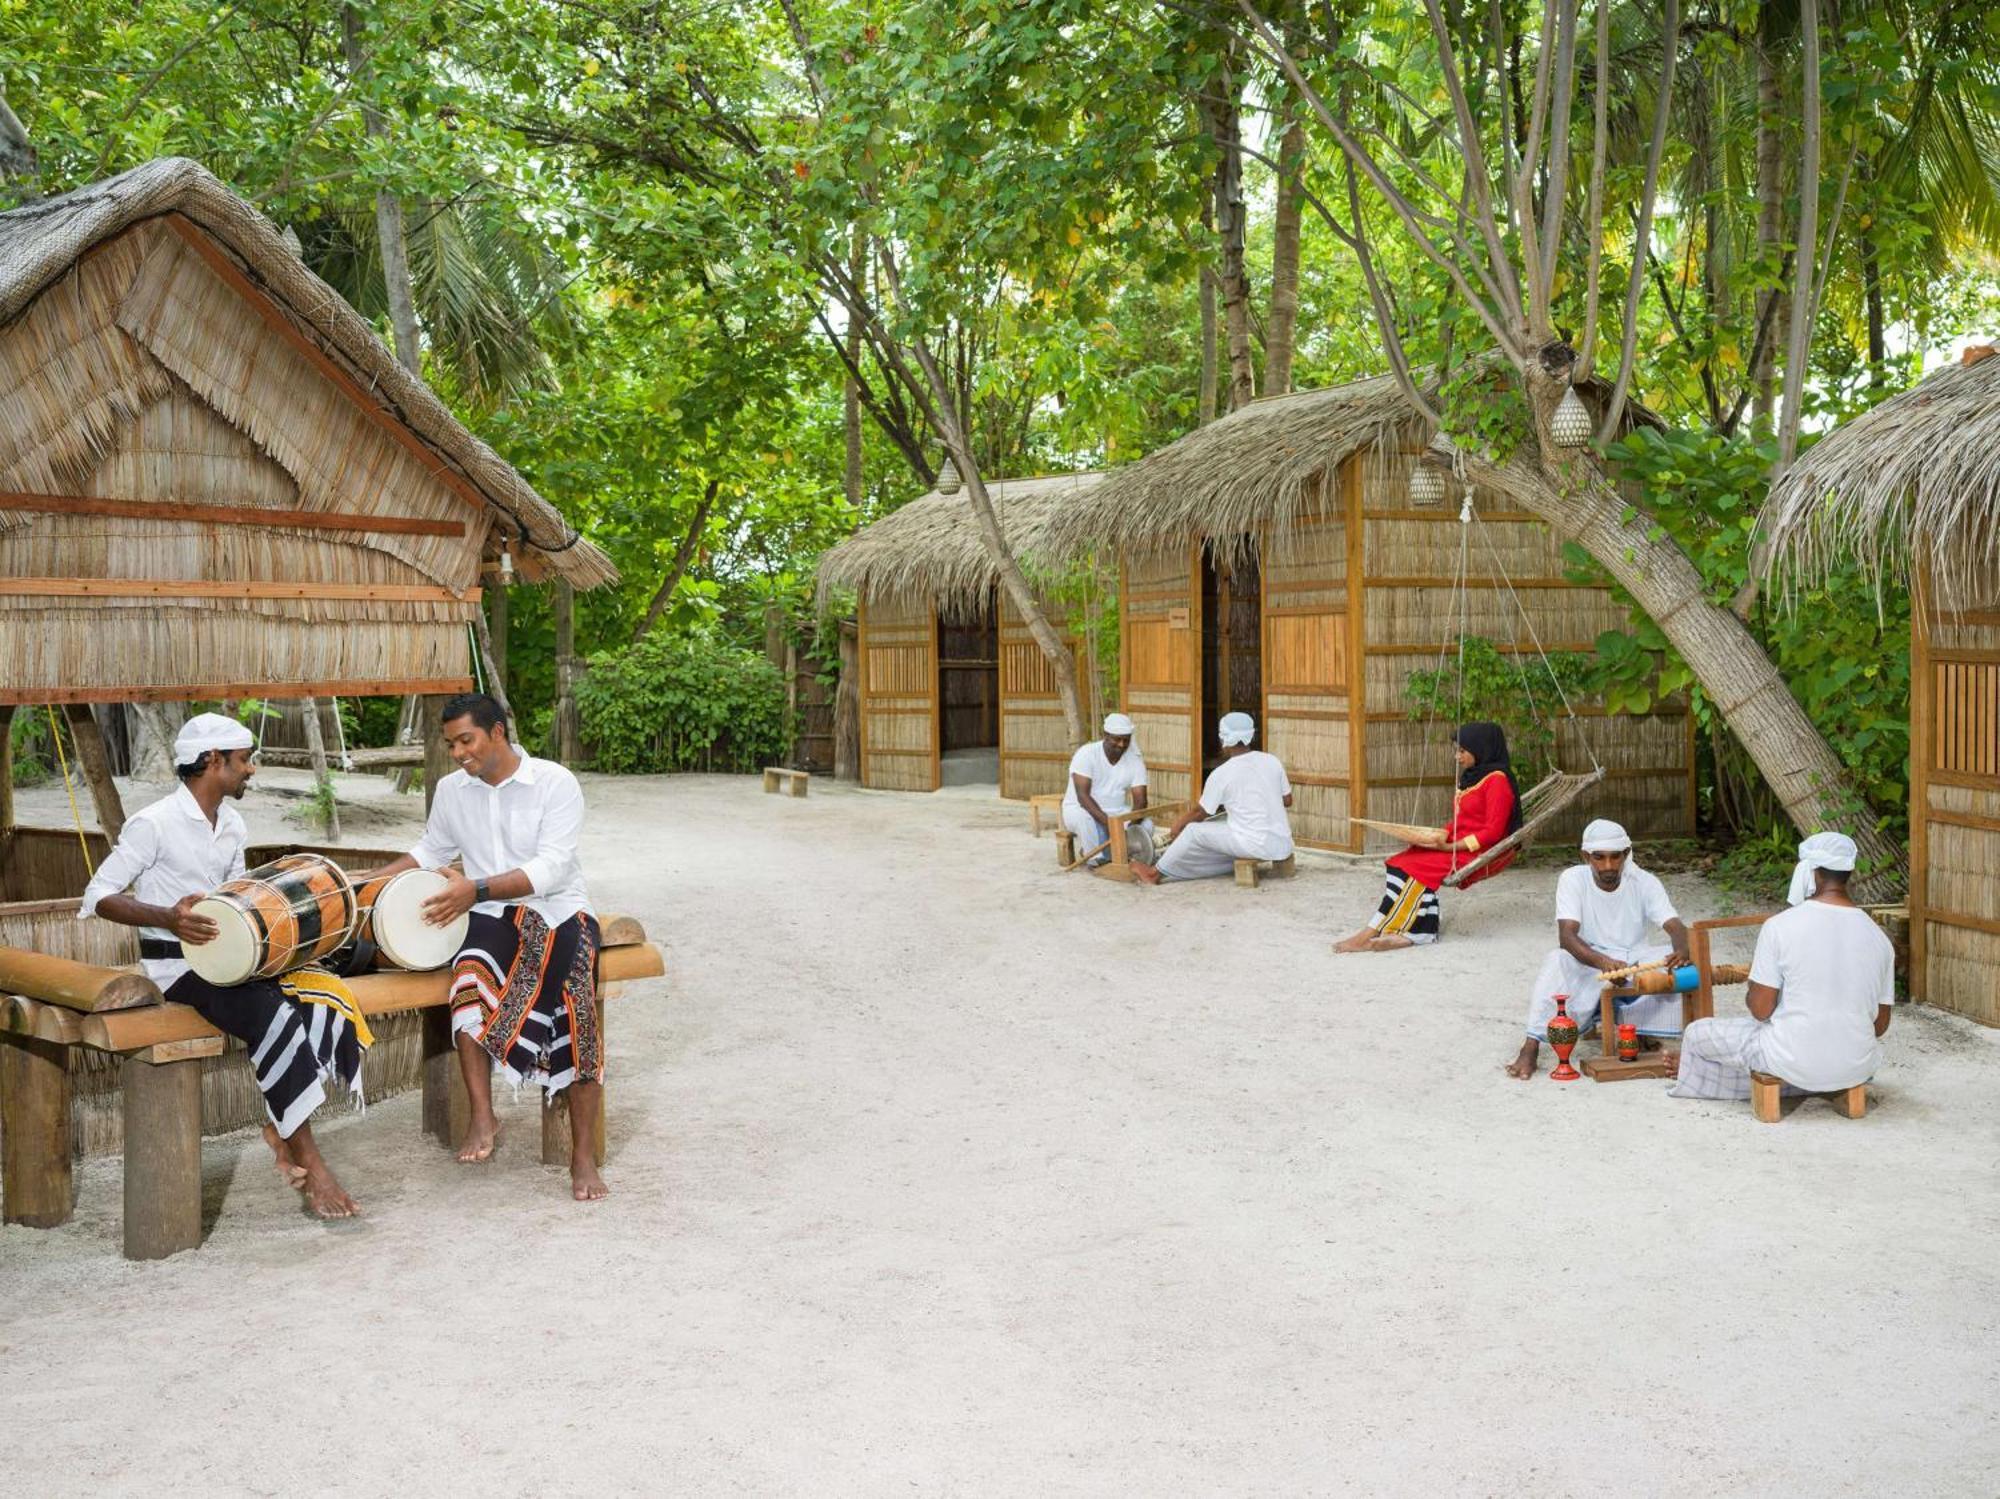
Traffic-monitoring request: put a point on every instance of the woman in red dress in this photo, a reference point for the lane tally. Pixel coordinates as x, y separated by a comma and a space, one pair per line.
1485, 809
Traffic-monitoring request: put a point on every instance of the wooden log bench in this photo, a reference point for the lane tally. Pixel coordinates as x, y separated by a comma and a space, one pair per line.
783, 778
1249, 871
1767, 1095
162, 1045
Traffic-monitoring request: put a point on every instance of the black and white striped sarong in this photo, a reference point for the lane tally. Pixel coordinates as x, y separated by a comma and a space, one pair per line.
527, 993
302, 1031
1408, 909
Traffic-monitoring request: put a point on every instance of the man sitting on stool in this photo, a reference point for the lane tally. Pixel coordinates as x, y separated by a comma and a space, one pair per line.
1605, 906
1253, 787
1108, 776
1821, 984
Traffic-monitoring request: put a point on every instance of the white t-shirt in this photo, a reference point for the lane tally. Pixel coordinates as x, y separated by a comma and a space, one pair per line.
1832, 967
1615, 922
1110, 783
1253, 786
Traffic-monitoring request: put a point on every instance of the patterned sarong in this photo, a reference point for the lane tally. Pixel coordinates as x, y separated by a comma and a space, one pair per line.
303, 1030
1408, 909
527, 994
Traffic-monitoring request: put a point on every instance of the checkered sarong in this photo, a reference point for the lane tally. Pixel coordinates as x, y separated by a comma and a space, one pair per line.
1718, 1056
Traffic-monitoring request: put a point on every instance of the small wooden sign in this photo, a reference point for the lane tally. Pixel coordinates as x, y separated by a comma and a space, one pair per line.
1177, 619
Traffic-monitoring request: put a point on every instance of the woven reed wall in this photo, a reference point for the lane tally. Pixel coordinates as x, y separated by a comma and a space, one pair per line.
1960, 961
1161, 678
1034, 734
1308, 660
1564, 618
57, 932
1652, 806
898, 694
1403, 546
1959, 965
181, 448
39, 864
1400, 749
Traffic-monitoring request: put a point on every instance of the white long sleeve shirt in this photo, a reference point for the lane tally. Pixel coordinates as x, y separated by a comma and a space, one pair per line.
531, 822
167, 851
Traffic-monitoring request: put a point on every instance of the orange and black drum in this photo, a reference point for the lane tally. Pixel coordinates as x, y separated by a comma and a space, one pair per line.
280, 916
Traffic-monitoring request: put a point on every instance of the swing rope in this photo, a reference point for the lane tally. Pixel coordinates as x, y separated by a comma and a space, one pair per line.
75, 813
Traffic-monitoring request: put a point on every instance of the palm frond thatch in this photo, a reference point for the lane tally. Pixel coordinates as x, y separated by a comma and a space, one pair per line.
1256, 466
931, 548
1915, 481
43, 242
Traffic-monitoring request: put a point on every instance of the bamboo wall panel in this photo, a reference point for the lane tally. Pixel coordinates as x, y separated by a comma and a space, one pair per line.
1309, 555
1034, 734
1959, 965
1405, 548
1157, 651
39, 864
1311, 746
1962, 865
899, 694
1965, 717
1415, 616
1319, 816
1399, 748
1159, 616
1307, 661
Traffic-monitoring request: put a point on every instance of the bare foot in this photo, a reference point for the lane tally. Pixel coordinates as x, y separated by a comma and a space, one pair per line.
1671, 1060
290, 1172
327, 1197
1390, 943
1358, 942
1523, 1065
585, 1185
481, 1136
1145, 874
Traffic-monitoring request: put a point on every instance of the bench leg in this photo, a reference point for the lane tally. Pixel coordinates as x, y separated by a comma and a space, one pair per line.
1285, 868
162, 1157
1852, 1103
800, 785
446, 1107
35, 1175
1066, 849
556, 1135
1765, 1097
1246, 873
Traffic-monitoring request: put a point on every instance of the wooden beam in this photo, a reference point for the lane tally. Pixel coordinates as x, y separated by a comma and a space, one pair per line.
189, 692
175, 588
89, 742
73, 985
162, 1157
228, 515
35, 1181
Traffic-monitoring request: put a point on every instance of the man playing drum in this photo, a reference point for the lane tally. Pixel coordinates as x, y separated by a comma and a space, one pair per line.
524, 986
300, 1032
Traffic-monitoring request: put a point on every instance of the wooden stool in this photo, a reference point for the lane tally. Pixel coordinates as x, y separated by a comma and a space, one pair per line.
1248, 871
1047, 803
1767, 1095
1066, 849
783, 777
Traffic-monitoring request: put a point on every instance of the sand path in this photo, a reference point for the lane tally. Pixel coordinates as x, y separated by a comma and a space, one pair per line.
936, 1174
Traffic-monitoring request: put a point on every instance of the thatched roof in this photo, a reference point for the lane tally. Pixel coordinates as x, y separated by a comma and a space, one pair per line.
1255, 466
1915, 480
42, 243
931, 547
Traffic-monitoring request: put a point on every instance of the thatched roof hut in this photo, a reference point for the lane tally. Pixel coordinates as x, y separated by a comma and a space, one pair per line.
215, 479
1911, 492
948, 669
1274, 562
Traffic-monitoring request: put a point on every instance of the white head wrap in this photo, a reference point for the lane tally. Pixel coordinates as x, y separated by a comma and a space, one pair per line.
209, 731
1237, 728
1821, 851
1118, 723
1605, 837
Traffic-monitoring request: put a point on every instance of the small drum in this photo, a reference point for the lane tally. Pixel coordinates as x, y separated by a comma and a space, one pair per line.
392, 917
280, 916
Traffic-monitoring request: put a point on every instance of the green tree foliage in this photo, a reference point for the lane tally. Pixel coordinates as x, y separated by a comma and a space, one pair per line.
683, 703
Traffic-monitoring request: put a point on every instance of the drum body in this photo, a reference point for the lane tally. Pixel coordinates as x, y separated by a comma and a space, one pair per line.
280, 916
392, 917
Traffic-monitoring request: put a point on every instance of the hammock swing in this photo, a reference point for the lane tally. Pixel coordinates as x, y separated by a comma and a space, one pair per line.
1558, 790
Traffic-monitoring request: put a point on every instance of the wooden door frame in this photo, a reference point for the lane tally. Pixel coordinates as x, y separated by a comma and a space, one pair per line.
862, 696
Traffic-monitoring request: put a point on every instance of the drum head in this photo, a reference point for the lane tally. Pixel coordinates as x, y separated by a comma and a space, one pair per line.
399, 928
232, 957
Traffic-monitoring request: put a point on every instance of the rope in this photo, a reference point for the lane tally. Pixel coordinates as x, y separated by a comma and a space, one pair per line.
75, 814
478, 666
1458, 595
1535, 635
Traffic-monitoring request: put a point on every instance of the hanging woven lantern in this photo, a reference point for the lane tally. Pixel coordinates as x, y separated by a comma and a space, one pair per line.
1427, 487
1571, 425
947, 479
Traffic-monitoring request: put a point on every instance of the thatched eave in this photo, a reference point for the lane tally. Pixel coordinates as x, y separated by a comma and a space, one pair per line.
41, 242
1916, 481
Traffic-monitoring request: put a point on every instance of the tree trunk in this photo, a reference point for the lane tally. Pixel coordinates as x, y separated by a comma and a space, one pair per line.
96, 767
850, 388
388, 212
567, 730
685, 553
1770, 221
6, 766
428, 716
1281, 334
151, 731
496, 686
17, 152
1871, 292
1210, 358
1230, 221
322, 777
496, 625
847, 707
409, 719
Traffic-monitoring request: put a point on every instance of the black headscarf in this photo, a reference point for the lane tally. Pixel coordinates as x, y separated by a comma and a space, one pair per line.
1487, 744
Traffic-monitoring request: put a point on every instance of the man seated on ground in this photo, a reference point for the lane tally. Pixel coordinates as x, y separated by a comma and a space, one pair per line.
1108, 776
1821, 984
302, 1030
1605, 907
1253, 789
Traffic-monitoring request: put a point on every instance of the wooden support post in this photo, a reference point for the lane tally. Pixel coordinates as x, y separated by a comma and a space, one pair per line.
35, 1179
6, 765
96, 765
322, 777
847, 707
568, 729
556, 1137
447, 1107
496, 631
409, 719
437, 760
162, 1157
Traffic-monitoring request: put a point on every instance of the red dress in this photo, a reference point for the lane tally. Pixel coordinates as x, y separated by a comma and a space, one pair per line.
1479, 812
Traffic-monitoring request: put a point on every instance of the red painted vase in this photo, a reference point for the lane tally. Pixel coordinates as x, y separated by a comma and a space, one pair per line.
1562, 1033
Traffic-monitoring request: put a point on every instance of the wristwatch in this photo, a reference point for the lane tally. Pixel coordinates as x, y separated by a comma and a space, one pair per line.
479, 896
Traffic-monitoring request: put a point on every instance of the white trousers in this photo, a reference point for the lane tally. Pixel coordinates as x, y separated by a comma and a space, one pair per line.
1090, 832
1718, 1056
1203, 851
1653, 1014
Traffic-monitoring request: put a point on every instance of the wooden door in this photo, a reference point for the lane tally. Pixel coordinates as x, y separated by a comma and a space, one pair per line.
1312, 707
1159, 645
899, 694
1034, 738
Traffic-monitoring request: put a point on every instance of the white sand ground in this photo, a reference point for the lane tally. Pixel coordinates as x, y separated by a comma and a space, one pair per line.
936, 1174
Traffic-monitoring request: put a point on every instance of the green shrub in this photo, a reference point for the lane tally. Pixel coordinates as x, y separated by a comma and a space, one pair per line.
682, 703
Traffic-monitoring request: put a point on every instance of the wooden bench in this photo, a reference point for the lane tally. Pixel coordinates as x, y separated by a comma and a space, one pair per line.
783, 778
162, 1046
1248, 871
1767, 1098
1045, 804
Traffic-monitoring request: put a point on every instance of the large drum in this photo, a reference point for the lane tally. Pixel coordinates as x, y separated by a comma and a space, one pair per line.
392, 917
280, 916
